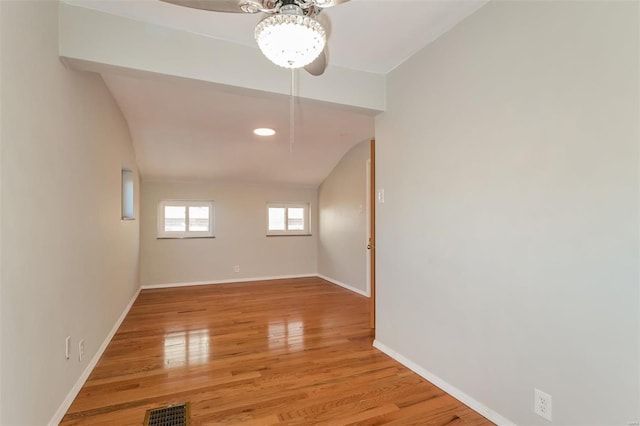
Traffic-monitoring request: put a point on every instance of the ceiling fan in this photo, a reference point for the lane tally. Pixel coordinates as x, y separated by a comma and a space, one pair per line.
290, 36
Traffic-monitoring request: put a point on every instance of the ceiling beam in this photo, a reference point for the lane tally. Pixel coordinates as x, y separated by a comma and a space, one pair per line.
100, 42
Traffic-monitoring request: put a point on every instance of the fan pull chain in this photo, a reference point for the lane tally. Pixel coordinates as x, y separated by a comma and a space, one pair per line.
292, 115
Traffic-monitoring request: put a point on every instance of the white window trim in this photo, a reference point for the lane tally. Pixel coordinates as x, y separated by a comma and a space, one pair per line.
307, 221
185, 234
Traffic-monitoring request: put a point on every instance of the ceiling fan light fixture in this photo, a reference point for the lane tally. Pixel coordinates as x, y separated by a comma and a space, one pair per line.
290, 40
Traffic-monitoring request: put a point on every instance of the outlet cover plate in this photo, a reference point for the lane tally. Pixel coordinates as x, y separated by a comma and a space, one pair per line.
542, 404
67, 347
80, 350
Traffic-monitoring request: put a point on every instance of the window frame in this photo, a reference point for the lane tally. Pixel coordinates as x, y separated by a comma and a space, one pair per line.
127, 202
287, 205
162, 234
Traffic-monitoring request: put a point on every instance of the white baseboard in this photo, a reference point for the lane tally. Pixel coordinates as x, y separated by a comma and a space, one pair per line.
343, 285
447, 387
237, 280
59, 414
244, 280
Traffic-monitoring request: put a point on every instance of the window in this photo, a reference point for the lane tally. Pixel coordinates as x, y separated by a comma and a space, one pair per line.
185, 219
127, 195
288, 219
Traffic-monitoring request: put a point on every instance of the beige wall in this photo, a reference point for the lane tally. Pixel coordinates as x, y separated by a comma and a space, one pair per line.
508, 240
69, 264
342, 253
240, 222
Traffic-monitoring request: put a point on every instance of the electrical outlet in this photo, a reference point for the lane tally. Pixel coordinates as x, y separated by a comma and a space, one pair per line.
236, 268
542, 404
67, 347
380, 196
80, 350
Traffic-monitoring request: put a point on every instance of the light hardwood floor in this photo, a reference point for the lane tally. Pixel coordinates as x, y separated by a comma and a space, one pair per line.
294, 352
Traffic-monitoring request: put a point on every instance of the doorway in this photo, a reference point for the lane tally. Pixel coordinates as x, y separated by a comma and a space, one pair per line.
371, 234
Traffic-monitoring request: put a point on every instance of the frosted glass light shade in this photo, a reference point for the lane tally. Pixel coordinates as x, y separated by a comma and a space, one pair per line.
290, 41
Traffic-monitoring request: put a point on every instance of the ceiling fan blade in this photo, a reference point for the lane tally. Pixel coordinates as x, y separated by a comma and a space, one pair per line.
330, 3
240, 6
319, 64
232, 6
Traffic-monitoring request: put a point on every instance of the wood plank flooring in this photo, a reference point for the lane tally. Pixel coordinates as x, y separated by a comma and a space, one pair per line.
294, 352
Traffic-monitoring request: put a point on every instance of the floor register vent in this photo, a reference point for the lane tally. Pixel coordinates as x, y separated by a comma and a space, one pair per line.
172, 415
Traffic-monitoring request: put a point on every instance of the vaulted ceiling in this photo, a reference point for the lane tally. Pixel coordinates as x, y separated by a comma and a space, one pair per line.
193, 85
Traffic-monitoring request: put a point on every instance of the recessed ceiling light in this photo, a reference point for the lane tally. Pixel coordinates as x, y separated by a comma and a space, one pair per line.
264, 132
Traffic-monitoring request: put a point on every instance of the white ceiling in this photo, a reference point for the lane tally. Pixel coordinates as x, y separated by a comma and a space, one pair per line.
184, 130
188, 130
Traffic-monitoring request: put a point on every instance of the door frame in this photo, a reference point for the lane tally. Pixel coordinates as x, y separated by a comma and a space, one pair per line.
371, 231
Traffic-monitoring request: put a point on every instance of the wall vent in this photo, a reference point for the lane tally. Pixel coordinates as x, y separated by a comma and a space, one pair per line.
172, 415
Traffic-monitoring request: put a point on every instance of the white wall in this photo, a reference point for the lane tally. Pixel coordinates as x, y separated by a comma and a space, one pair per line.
69, 264
508, 242
240, 223
1, 81
342, 253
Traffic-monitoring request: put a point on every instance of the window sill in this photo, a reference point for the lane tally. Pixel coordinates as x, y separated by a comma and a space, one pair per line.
289, 235
182, 238
124, 218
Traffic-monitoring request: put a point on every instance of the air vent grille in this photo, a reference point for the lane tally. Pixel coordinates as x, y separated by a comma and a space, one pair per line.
173, 415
